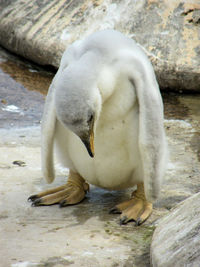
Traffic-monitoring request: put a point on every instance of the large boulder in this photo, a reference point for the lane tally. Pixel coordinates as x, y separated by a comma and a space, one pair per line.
169, 31
176, 240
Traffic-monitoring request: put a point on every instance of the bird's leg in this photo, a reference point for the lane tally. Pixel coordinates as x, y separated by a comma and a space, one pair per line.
136, 209
72, 192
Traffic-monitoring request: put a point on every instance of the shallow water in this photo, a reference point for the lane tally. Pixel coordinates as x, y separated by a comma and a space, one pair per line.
23, 87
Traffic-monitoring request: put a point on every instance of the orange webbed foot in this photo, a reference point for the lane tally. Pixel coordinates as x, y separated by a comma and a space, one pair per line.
71, 193
136, 209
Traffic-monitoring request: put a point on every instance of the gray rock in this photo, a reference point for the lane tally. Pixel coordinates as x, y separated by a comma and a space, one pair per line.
169, 32
176, 240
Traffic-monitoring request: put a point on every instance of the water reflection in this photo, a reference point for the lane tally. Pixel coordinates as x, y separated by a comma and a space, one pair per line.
22, 91
30, 78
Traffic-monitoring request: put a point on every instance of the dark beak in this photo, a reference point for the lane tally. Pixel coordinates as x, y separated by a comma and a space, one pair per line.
89, 147
88, 140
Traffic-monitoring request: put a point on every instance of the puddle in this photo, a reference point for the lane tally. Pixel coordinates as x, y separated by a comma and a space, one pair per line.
23, 87
184, 109
193, 102
29, 77
174, 108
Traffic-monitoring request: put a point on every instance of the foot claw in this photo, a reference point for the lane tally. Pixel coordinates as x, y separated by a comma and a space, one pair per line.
124, 220
36, 202
114, 210
32, 198
63, 204
138, 222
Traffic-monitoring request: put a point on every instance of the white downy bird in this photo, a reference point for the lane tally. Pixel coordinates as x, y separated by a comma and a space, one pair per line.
104, 115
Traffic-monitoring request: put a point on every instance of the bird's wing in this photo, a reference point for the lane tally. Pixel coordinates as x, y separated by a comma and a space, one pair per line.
152, 141
49, 115
48, 129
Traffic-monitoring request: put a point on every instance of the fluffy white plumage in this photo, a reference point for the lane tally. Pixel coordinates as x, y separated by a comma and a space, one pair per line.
109, 74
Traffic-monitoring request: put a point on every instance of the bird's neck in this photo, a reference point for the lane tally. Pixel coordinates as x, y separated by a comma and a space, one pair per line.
90, 64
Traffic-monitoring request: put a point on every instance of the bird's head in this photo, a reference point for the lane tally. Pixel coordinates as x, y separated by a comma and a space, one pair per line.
78, 106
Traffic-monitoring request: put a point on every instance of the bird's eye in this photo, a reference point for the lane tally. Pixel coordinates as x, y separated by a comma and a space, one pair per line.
90, 119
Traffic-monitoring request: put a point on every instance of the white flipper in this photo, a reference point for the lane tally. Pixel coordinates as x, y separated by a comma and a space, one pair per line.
48, 130
152, 142
49, 119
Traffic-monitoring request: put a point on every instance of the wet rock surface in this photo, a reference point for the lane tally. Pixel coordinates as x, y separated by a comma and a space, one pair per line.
85, 234
169, 32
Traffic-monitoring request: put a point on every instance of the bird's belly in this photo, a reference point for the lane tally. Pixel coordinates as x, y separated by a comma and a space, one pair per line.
116, 159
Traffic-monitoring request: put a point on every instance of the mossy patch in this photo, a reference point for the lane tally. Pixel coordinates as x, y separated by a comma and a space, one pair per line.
141, 235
